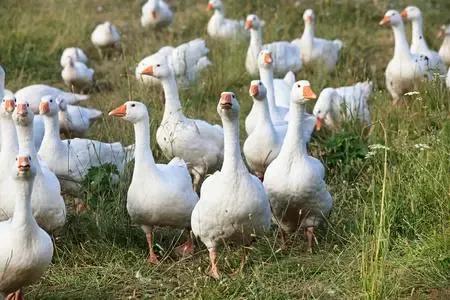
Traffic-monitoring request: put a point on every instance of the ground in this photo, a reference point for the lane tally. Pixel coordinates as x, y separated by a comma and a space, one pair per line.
388, 234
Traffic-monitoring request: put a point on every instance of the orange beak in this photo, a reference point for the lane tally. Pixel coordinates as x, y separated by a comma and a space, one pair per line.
210, 6
254, 90
23, 163
22, 109
154, 14
148, 71
44, 108
386, 20
10, 105
308, 93
404, 14
319, 123
225, 101
120, 112
248, 24
268, 58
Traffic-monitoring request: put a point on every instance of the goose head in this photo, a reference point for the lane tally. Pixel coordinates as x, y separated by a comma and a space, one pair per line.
444, 31
253, 22
131, 111
308, 16
301, 92
154, 8
23, 115
257, 90
323, 106
159, 68
391, 17
411, 13
8, 105
265, 59
228, 106
24, 168
48, 106
215, 5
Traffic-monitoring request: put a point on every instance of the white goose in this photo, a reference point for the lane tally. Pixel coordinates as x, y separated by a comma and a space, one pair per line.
74, 53
278, 95
48, 205
26, 250
294, 180
342, 104
447, 79
264, 142
105, 36
187, 61
77, 75
197, 142
159, 194
444, 50
233, 205
75, 120
71, 159
33, 94
405, 70
222, 28
277, 92
38, 128
286, 55
418, 43
156, 13
8, 137
317, 51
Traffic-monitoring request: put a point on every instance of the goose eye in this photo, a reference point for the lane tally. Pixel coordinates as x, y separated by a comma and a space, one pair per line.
28, 105
158, 65
15, 100
51, 100
260, 83
298, 85
133, 105
16, 158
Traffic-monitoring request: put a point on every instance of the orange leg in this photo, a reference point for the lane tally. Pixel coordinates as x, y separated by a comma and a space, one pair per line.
187, 248
152, 257
309, 232
213, 272
17, 295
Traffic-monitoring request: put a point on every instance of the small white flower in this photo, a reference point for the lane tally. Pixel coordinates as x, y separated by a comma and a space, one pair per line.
412, 93
378, 147
422, 147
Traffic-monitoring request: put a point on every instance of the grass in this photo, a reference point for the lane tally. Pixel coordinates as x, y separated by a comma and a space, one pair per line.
388, 234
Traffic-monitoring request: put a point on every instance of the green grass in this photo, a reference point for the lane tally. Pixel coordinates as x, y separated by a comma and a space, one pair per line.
388, 234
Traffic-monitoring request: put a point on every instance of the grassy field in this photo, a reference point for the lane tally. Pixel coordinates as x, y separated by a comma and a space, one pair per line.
388, 235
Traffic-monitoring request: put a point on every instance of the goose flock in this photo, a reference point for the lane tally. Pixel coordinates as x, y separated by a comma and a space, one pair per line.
216, 190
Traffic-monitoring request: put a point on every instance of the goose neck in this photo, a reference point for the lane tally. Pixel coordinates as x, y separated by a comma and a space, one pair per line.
26, 141
8, 137
401, 44
142, 152
23, 215
294, 142
417, 33
263, 113
266, 76
256, 40
308, 32
172, 99
232, 159
51, 133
